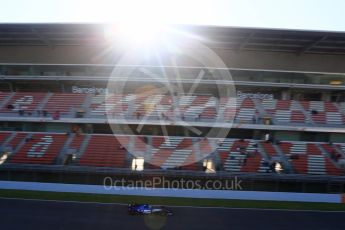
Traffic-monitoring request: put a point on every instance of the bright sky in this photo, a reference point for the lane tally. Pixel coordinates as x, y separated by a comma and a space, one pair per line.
291, 14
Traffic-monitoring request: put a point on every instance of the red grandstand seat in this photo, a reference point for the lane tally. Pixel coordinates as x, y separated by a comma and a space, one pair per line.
41, 149
27, 101
64, 102
269, 149
105, 151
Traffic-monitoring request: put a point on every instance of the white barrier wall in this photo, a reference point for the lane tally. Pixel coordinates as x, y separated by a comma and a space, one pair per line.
183, 193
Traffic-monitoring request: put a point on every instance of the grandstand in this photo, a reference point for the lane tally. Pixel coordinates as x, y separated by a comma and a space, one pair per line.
287, 117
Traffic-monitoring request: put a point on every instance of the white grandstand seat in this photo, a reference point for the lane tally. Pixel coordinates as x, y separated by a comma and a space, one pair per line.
246, 110
27, 101
235, 161
40, 149
284, 111
111, 104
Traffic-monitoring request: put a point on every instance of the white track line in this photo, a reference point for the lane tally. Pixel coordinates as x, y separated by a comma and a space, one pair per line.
174, 206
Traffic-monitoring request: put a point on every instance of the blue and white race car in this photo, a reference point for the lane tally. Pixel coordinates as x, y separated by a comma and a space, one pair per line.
146, 209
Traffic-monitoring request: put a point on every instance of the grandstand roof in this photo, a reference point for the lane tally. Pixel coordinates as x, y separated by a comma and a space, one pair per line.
231, 38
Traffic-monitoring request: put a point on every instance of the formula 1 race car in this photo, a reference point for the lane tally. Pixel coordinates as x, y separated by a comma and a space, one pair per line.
146, 209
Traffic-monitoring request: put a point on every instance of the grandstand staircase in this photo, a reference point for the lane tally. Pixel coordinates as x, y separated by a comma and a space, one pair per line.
17, 142
131, 144
85, 106
185, 108
264, 157
299, 107
138, 146
310, 158
286, 164
340, 149
284, 111
212, 102
277, 110
341, 107
157, 109
60, 157
6, 99
319, 107
83, 146
260, 106
176, 113
44, 101
135, 106
198, 152
225, 107
22, 142
149, 149
79, 146
130, 99
6, 140
236, 162
231, 160
75, 142
326, 150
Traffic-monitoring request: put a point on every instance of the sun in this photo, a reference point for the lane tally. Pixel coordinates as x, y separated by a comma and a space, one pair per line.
137, 35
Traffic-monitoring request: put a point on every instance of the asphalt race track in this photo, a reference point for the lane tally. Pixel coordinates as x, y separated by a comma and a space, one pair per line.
33, 214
